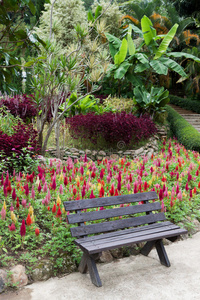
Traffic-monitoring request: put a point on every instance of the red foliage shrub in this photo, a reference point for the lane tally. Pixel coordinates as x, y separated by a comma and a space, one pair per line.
113, 127
25, 136
22, 106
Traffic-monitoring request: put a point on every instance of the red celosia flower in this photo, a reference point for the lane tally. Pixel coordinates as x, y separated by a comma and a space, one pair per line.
9, 188
17, 204
12, 227
39, 188
14, 196
26, 189
92, 195
112, 190
59, 213
101, 192
65, 181
54, 209
23, 229
37, 231
93, 174
74, 191
48, 208
28, 220
78, 197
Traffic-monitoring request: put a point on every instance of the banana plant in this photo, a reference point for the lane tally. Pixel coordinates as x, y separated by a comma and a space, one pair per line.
152, 56
150, 102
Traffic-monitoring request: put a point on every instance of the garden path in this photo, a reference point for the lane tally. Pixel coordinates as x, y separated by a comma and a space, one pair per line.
190, 116
135, 277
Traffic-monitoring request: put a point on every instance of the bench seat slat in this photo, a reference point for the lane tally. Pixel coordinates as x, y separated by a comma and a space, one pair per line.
118, 224
110, 213
92, 249
126, 235
107, 201
122, 232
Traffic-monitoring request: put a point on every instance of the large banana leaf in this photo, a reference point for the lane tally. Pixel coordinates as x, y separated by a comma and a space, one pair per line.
121, 71
131, 46
183, 54
173, 65
184, 23
114, 40
166, 41
113, 50
143, 58
137, 30
159, 67
135, 80
121, 54
148, 31
141, 67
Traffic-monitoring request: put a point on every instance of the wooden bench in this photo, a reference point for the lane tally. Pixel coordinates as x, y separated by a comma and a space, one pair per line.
140, 223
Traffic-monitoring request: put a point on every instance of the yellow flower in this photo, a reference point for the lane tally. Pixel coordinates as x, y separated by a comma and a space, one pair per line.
4, 205
61, 176
30, 210
93, 187
150, 182
32, 218
99, 186
88, 173
119, 160
58, 201
63, 210
180, 179
37, 181
153, 178
77, 178
184, 194
169, 193
13, 217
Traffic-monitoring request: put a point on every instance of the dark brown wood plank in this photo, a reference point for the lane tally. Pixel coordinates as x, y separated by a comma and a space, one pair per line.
128, 242
114, 212
107, 201
126, 236
124, 231
118, 224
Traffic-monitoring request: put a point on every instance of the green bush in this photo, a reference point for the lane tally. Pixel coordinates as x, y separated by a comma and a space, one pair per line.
186, 103
120, 104
183, 131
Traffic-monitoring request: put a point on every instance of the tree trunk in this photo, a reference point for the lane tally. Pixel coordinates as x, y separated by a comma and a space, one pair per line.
57, 137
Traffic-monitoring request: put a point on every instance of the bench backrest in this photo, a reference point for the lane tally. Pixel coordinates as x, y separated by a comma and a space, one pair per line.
82, 216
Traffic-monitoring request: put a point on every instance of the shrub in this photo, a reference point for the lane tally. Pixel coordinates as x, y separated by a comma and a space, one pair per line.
120, 104
113, 127
187, 103
183, 131
21, 106
18, 143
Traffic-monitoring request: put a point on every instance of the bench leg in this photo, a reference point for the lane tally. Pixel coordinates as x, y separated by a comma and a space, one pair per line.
94, 275
83, 264
160, 250
147, 248
88, 263
162, 253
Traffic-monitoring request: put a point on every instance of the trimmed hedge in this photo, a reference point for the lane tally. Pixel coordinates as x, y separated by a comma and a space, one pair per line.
186, 134
186, 103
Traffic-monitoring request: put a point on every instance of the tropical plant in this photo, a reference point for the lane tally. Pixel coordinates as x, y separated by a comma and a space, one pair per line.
150, 103
152, 56
162, 23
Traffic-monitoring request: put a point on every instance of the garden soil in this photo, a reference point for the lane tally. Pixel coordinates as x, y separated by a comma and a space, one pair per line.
135, 277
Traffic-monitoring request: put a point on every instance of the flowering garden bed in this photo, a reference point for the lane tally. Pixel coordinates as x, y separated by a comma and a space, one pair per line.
32, 216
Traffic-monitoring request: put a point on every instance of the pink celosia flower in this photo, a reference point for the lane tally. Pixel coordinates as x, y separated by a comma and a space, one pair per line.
3, 213
61, 189
24, 203
12, 227
53, 185
14, 196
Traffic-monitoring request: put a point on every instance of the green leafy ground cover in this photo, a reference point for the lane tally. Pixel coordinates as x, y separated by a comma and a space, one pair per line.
32, 216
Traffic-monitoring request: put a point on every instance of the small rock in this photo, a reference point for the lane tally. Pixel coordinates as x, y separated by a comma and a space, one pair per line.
106, 257
99, 157
120, 152
94, 152
18, 276
103, 153
127, 153
87, 152
43, 271
3, 280
139, 151
81, 152
76, 153
117, 253
67, 153
72, 150
114, 156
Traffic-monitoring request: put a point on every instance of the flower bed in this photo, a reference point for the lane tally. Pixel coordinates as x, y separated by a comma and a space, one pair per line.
32, 217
